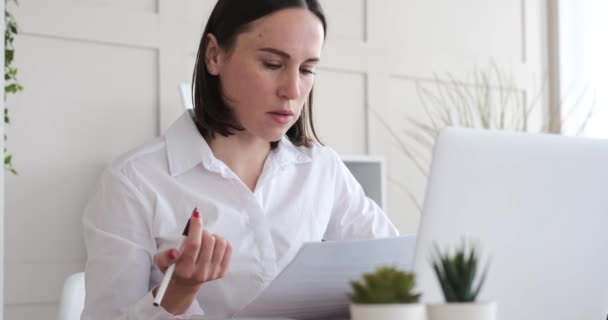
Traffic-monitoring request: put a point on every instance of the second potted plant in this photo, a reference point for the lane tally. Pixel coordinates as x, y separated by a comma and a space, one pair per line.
458, 276
386, 294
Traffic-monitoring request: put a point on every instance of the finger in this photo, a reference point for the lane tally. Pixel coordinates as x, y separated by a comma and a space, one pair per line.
166, 258
218, 254
203, 270
207, 247
226, 260
191, 246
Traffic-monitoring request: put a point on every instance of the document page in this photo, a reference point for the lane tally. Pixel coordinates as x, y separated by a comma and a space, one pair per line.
316, 282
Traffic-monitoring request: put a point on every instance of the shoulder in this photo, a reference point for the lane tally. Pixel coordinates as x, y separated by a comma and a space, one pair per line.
148, 157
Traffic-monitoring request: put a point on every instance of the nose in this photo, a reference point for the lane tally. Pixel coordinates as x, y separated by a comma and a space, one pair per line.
289, 88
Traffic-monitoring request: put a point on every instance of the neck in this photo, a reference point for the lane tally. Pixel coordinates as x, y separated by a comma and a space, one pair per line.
244, 155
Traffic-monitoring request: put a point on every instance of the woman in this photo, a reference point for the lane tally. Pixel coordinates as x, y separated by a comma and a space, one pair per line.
246, 159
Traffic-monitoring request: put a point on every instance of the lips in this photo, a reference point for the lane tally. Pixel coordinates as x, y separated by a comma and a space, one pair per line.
281, 117
282, 112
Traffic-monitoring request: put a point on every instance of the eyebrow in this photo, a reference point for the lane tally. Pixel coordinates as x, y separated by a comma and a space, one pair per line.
285, 54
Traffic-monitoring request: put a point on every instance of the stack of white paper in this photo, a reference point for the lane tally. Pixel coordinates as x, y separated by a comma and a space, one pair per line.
315, 284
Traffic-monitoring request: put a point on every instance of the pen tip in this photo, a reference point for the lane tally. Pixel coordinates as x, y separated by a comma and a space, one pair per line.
156, 304
186, 229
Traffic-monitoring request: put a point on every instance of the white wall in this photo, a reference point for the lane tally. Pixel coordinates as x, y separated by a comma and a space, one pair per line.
95, 88
90, 71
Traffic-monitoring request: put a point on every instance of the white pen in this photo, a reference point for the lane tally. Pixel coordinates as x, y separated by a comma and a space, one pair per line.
169, 273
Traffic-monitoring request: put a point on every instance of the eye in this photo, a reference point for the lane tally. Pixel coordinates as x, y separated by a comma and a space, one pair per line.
307, 71
272, 66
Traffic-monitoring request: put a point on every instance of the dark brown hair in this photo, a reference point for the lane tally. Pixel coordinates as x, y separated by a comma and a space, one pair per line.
228, 19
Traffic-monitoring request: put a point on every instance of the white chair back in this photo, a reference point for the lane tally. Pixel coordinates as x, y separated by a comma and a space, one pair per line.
72, 297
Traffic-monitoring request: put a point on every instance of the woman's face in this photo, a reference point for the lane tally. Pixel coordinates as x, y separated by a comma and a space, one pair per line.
268, 74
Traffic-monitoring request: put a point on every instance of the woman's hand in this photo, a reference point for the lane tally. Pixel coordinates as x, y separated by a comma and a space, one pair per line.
205, 257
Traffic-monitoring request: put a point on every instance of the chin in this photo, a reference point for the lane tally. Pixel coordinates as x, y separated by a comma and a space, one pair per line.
273, 136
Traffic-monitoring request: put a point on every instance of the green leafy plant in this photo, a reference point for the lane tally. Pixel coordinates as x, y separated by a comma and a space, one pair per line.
386, 285
458, 273
11, 85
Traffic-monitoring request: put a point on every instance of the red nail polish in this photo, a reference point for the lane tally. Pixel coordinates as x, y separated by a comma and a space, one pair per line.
196, 214
172, 254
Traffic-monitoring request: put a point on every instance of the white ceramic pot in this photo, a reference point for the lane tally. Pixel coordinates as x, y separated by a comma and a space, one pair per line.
392, 311
462, 311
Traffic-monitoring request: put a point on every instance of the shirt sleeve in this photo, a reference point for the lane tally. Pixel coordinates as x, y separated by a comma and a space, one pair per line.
120, 249
354, 215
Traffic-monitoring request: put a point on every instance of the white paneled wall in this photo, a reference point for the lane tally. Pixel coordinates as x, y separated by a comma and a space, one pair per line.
82, 115
90, 71
341, 111
101, 77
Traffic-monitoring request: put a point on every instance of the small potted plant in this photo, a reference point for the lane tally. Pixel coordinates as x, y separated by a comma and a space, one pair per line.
386, 294
461, 280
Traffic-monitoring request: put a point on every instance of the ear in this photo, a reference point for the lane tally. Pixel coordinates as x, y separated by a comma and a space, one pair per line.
213, 55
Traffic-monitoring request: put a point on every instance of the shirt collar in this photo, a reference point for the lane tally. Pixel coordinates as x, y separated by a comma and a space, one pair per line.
287, 153
186, 148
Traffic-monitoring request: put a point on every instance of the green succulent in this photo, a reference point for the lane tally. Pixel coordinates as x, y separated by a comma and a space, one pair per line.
457, 274
386, 285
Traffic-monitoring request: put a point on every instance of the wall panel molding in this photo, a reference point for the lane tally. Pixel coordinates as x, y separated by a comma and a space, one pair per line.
138, 29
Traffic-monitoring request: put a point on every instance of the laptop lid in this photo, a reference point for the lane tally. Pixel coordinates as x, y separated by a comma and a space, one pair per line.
537, 205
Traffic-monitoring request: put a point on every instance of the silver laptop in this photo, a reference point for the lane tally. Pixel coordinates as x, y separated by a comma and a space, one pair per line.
537, 205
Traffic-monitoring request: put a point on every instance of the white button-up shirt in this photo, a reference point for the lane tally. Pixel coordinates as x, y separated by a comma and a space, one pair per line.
145, 198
